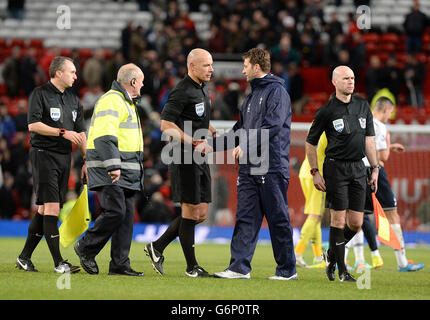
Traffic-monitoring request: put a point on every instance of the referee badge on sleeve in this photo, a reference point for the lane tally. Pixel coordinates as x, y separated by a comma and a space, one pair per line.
362, 123
55, 113
338, 125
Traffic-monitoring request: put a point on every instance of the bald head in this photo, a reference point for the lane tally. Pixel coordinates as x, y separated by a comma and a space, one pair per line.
341, 71
344, 81
197, 54
127, 73
131, 79
199, 65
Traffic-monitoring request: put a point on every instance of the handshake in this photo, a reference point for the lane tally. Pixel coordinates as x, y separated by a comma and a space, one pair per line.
202, 146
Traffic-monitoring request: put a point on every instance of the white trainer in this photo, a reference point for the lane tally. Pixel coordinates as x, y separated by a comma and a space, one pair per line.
293, 277
300, 262
228, 274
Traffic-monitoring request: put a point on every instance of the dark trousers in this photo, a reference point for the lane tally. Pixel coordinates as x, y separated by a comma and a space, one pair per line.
116, 221
260, 196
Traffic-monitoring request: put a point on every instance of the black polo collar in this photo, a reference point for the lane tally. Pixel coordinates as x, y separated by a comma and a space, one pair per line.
54, 88
195, 83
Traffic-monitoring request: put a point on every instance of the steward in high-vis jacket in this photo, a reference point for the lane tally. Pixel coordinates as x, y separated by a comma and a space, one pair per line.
114, 164
115, 141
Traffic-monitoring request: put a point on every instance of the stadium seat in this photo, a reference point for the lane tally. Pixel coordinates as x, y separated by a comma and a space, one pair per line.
318, 97
371, 48
422, 57
371, 37
36, 43
390, 38
388, 47
17, 43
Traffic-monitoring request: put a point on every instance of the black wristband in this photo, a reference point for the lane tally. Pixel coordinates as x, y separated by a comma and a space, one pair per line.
375, 167
314, 171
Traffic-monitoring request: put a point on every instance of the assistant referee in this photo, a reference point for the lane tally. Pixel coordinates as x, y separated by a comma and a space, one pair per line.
348, 124
186, 113
55, 120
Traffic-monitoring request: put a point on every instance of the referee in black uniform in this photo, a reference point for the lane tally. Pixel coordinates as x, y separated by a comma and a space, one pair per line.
187, 112
348, 124
55, 120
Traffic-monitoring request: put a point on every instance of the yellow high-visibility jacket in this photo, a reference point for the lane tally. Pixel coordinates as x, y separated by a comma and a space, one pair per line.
115, 141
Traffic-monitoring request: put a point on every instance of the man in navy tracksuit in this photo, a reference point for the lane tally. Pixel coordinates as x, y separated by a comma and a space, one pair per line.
261, 141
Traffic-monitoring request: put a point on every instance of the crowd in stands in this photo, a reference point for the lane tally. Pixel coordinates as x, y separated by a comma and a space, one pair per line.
294, 31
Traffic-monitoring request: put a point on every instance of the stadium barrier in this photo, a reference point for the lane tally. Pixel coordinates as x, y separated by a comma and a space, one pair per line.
143, 232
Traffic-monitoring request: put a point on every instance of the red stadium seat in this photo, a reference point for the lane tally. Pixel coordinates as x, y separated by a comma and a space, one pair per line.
422, 57
2, 90
387, 47
17, 43
371, 48
390, 38
370, 37
383, 56
66, 52
36, 43
85, 53
3, 43
318, 97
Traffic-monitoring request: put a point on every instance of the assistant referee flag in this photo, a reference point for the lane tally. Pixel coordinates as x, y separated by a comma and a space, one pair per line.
386, 234
77, 221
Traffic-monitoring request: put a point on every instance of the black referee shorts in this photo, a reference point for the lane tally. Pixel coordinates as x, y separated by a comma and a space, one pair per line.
385, 194
345, 184
51, 172
190, 183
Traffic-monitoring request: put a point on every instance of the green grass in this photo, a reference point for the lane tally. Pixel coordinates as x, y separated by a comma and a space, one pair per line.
386, 283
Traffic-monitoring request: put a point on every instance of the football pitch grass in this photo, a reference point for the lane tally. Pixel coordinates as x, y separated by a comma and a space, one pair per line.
385, 283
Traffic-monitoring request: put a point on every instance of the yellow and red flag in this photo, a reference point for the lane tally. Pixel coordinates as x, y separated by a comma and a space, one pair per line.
386, 234
77, 221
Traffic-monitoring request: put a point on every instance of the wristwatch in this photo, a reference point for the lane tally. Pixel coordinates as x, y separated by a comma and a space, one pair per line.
62, 132
375, 167
314, 170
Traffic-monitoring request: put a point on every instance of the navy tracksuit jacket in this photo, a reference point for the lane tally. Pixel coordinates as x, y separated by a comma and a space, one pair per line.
263, 193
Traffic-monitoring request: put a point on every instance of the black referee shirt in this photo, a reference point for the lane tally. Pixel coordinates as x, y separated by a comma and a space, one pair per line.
346, 126
50, 106
188, 101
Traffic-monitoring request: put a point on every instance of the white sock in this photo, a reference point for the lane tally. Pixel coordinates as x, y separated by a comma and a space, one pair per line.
375, 253
402, 261
359, 247
348, 245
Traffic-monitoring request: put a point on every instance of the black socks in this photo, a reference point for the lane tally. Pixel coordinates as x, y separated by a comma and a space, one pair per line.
348, 234
52, 236
186, 236
168, 236
337, 248
35, 234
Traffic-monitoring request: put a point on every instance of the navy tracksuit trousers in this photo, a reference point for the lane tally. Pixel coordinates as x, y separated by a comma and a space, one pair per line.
116, 222
260, 196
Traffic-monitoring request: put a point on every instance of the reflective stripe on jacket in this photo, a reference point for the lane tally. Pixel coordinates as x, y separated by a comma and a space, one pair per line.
115, 141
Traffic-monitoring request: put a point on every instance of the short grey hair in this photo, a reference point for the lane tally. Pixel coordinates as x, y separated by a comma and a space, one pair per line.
382, 102
57, 64
127, 73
